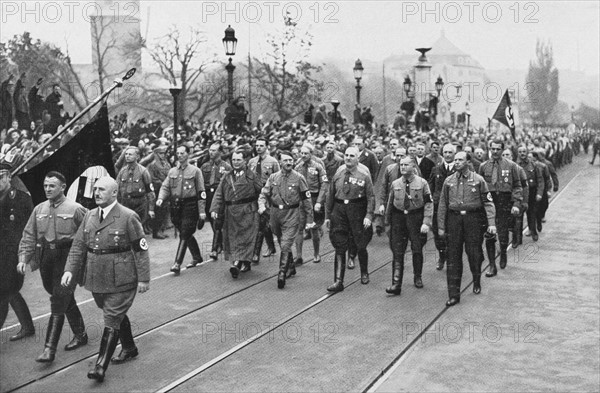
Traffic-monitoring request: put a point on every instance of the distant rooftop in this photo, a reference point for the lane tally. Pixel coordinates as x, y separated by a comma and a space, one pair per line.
443, 50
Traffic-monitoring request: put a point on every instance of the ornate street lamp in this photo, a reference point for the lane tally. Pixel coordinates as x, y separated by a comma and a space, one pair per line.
335, 104
358, 72
230, 44
407, 85
439, 85
175, 93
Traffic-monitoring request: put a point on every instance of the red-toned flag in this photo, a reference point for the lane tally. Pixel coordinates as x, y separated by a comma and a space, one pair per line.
504, 114
90, 147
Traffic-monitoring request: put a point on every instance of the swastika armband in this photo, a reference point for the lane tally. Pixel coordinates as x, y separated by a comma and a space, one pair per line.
202, 195
489, 197
139, 245
428, 198
305, 195
149, 188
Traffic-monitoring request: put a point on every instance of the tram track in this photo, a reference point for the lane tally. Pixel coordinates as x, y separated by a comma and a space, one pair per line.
160, 326
397, 361
290, 317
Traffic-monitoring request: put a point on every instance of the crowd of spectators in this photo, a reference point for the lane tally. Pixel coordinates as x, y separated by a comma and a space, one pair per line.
29, 120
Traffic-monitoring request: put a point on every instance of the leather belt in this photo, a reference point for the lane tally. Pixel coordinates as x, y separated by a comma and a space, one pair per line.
286, 207
407, 212
57, 246
241, 201
347, 201
186, 200
464, 212
108, 250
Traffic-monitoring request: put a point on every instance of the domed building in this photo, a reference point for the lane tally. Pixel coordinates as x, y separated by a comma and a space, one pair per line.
464, 79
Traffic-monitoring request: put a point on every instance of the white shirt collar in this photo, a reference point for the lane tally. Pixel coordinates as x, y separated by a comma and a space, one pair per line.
108, 208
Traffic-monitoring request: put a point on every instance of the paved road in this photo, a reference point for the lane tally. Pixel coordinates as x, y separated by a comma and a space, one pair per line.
538, 329
203, 331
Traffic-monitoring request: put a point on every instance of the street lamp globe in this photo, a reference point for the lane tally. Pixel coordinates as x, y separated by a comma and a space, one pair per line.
358, 70
230, 42
439, 85
407, 84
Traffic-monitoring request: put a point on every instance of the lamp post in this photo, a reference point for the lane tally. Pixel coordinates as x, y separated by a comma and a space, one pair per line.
358, 71
230, 44
407, 86
175, 93
468, 115
422, 75
335, 104
439, 85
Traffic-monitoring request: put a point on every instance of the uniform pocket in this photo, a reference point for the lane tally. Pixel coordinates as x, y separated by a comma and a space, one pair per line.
124, 269
42, 222
64, 224
117, 237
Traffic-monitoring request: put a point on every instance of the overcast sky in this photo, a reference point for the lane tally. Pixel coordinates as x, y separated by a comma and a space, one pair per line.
499, 34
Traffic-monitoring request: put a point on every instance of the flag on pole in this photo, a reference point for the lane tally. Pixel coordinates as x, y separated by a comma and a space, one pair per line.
504, 113
90, 147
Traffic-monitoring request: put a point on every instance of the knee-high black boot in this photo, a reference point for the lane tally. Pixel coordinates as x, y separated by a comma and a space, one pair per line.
128, 348
291, 271
55, 326
195, 251
417, 260
363, 261
20, 308
75, 319
339, 272
109, 341
477, 284
219, 241
397, 275
284, 259
270, 242
518, 232
176, 268
442, 260
316, 239
214, 252
258, 246
490, 247
503, 256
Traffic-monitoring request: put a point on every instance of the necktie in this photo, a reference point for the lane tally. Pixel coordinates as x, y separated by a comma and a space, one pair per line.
213, 175
407, 197
259, 168
346, 188
495, 167
101, 215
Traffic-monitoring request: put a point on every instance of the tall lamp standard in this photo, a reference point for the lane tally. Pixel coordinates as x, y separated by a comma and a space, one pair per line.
230, 44
358, 72
175, 93
439, 85
335, 104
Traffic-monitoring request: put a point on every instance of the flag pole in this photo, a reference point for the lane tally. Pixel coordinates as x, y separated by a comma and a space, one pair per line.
116, 83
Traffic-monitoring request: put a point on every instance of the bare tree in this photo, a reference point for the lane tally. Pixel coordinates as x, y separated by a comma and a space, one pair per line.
41, 59
103, 42
181, 63
286, 78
